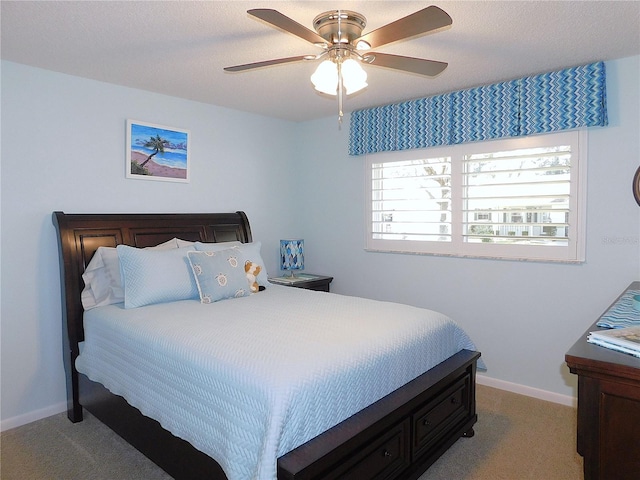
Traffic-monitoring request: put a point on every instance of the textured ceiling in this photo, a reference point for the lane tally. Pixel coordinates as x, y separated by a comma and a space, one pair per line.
180, 48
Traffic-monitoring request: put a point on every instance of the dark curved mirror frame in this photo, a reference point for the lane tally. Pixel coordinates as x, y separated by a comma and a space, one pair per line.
636, 186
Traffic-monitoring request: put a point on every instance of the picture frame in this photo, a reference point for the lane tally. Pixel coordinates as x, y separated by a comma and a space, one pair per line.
157, 152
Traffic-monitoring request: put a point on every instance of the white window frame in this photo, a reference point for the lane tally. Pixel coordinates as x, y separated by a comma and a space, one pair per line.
574, 252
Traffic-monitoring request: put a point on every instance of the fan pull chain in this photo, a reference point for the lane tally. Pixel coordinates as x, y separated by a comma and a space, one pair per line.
340, 114
339, 61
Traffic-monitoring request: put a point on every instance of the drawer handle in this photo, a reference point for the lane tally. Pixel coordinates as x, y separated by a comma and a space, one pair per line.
386, 453
426, 422
454, 400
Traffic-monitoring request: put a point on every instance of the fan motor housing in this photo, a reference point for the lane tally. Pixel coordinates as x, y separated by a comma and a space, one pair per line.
339, 26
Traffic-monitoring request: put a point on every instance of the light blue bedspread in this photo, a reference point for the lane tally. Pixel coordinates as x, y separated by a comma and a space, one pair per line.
246, 380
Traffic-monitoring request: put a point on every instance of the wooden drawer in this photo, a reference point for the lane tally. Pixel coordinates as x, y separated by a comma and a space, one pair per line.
383, 459
436, 417
378, 442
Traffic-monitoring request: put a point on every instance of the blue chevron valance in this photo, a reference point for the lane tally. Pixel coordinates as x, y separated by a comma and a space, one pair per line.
566, 99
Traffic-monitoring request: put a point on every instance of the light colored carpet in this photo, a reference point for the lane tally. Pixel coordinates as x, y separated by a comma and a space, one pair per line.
517, 438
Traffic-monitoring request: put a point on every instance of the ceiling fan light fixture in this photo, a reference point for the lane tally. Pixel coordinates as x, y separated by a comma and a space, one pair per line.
325, 78
339, 34
354, 77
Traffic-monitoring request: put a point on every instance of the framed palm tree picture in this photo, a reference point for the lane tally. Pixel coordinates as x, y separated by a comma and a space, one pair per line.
157, 152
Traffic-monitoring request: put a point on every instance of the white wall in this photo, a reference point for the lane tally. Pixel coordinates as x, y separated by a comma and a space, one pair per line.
523, 316
63, 148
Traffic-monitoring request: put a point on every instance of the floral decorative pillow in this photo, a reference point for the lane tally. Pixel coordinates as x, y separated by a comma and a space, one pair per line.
250, 252
219, 275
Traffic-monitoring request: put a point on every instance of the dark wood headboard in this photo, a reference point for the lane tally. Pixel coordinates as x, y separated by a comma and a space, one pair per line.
80, 235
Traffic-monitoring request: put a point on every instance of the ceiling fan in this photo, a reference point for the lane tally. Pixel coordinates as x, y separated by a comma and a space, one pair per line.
339, 34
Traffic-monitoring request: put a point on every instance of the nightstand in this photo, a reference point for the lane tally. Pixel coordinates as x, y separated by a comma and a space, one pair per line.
305, 280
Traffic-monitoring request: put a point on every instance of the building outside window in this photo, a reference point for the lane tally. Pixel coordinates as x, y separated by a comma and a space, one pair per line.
519, 198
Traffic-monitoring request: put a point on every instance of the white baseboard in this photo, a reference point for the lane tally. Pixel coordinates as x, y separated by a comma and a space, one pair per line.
20, 420
568, 400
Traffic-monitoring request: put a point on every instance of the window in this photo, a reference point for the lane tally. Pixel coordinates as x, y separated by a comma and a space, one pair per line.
519, 198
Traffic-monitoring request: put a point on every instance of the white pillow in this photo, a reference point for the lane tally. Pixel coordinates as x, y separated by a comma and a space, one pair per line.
183, 243
168, 245
103, 285
215, 247
155, 276
250, 251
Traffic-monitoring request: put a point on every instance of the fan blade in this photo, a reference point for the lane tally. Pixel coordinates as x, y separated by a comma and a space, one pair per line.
426, 20
266, 63
279, 20
420, 66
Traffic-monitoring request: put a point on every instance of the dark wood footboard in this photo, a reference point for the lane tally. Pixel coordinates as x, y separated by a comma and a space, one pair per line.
400, 435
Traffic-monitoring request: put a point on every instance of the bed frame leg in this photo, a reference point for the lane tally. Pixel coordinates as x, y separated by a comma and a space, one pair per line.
74, 409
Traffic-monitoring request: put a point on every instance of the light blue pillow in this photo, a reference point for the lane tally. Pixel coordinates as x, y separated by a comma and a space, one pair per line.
219, 275
250, 252
155, 276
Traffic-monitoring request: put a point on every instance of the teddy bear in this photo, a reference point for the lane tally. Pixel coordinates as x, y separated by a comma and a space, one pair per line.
252, 270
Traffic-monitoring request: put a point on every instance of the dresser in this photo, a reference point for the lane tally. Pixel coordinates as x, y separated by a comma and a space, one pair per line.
608, 408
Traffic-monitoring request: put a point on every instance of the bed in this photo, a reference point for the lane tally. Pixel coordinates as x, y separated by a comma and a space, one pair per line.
389, 430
